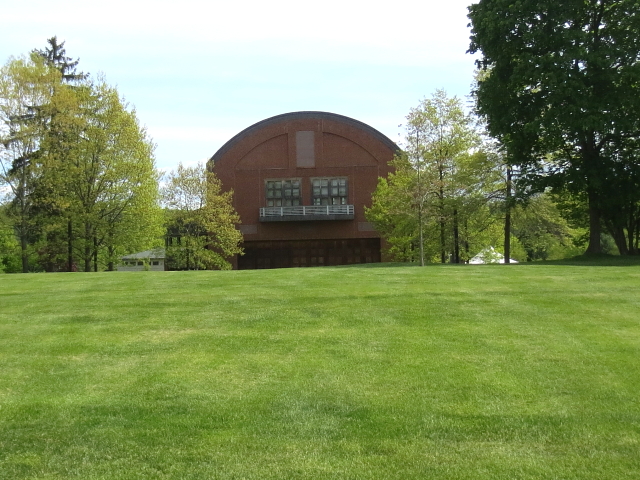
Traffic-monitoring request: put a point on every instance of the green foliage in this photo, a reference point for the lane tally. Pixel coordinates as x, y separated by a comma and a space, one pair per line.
561, 94
443, 189
542, 232
25, 87
391, 211
9, 247
201, 220
79, 166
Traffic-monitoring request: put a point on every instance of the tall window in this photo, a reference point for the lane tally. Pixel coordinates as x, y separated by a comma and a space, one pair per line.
283, 193
329, 191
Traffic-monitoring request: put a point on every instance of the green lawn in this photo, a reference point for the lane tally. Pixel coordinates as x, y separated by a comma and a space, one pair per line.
381, 372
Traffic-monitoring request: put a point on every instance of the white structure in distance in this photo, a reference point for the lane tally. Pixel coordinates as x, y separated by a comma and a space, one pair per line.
489, 255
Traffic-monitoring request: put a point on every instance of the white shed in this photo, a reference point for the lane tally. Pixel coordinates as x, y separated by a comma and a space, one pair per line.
147, 260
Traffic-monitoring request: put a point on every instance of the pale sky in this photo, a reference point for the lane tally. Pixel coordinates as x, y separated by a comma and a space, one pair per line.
200, 72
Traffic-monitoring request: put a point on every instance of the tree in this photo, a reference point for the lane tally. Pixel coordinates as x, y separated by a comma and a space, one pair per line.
201, 220
26, 86
109, 176
561, 92
434, 180
444, 136
441, 200
64, 132
55, 56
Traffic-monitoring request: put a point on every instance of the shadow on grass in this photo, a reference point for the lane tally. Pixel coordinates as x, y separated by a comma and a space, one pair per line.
597, 261
602, 260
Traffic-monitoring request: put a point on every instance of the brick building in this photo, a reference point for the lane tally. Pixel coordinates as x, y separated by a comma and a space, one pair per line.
301, 181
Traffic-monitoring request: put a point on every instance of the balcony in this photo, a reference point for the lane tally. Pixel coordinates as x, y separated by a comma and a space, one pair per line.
306, 213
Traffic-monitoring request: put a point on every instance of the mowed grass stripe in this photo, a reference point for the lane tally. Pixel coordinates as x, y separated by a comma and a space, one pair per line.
526, 371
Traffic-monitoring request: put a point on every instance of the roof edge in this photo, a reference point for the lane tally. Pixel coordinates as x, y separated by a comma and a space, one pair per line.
300, 116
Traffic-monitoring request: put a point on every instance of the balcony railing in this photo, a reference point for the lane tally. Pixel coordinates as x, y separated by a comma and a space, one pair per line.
306, 212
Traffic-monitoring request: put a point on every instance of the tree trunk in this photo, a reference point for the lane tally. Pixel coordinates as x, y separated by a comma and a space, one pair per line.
420, 205
95, 253
111, 251
507, 219
24, 253
456, 237
70, 246
421, 233
466, 240
443, 253
617, 233
187, 252
87, 247
631, 234
595, 228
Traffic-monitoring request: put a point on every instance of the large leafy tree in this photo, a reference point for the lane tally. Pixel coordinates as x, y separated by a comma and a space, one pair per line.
26, 86
562, 92
201, 220
109, 180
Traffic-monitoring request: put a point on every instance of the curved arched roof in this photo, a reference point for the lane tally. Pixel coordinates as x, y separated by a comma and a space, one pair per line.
292, 116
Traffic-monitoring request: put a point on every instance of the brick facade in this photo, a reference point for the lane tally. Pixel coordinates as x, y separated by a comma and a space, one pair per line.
327, 163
